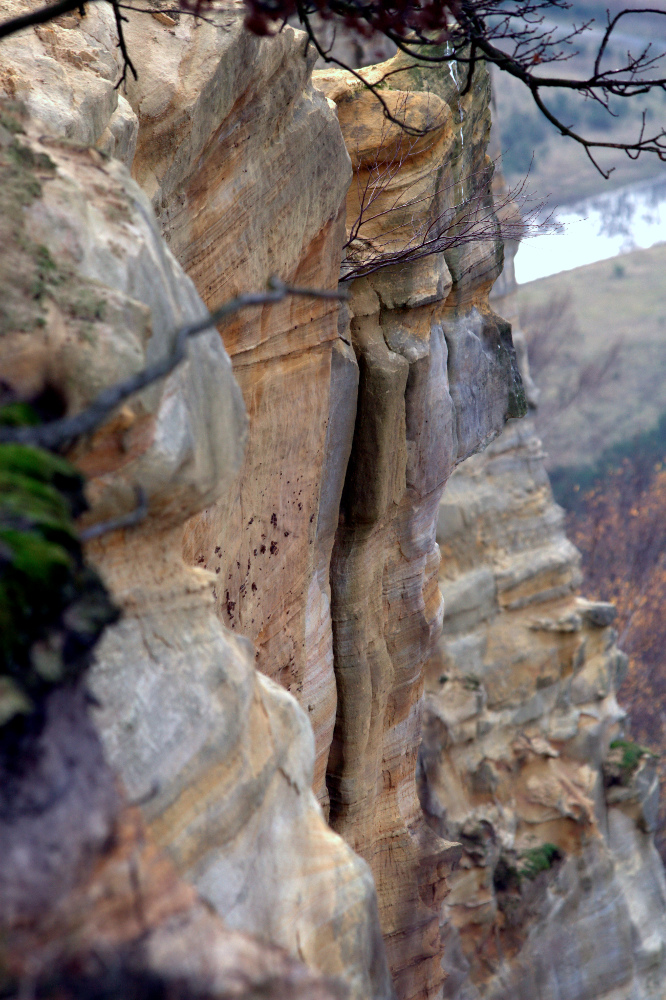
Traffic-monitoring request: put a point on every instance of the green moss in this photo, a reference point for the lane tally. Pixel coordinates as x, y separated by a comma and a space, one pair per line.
632, 753
538, 859
10, 122
26, 158
30, 277
53, 608
87, 306
25, 267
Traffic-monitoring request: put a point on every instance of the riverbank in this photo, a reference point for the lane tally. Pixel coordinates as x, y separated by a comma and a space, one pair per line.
596, 229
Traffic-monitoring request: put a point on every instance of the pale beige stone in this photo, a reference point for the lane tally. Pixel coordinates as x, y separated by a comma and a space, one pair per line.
184, 714
541, 669
435, 383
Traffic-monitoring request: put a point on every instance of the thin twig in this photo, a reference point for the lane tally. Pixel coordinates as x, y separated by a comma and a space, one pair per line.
62, 432
134, 517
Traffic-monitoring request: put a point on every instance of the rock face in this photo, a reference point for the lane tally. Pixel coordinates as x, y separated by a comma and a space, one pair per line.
88, 903
184, 714
247, 170
282, 599
436, 379
559, 891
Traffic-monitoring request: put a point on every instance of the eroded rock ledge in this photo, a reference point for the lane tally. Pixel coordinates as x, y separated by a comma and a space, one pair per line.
263, 694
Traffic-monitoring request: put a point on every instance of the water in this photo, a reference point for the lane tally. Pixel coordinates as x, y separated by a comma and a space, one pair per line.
627, 219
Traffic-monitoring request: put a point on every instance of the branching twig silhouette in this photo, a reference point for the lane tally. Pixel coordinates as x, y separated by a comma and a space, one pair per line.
62, 432
513, 35
400, 226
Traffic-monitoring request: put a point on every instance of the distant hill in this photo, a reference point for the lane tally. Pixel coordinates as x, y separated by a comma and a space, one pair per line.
597, 338
558, 168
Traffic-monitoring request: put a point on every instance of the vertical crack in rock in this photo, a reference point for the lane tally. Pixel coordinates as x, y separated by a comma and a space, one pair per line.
437, 380
560, 891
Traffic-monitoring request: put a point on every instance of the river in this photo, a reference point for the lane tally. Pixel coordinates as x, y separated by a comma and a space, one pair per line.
598, 228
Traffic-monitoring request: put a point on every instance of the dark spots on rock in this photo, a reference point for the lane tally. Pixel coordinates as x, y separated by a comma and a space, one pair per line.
262, 549
248, 566
255, 552
300, 506
200, 559
311, 517
286, 534
237, 564
254, 588
242, 588
230, 608
251, 521
217, 570
262, 537
274, 548
217, 550
274, 520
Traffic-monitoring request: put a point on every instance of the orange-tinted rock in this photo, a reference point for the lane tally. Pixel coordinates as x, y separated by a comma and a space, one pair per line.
224, 755
549, 898
436, 379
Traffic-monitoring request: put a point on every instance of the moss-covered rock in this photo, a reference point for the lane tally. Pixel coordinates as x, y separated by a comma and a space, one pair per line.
53, 608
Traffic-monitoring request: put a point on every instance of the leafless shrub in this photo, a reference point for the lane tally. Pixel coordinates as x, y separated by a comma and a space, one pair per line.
400, 220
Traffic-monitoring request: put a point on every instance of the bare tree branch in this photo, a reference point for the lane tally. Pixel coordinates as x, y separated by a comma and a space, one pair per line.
513, 35
59, 433
40, 16
409, 231
129, 520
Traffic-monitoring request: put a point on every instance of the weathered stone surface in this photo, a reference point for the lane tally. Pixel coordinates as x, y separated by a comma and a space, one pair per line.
313, 553
224, 755
65, 72
520, 711
247, 171
435, 383
121, 905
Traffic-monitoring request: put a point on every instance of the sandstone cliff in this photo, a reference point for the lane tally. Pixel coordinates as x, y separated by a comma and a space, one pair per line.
559, 891
262, 695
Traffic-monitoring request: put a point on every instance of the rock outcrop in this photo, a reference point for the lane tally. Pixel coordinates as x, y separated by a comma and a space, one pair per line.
262, 696
559, 891
436, 381
90, 906
184, 714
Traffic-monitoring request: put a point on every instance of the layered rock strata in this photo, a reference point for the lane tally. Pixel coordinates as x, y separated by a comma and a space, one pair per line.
89, 906
294, 470
223, 755
436, 381
559, 891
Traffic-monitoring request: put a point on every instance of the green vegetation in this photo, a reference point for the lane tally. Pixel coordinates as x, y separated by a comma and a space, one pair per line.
53, 608
530, 863
570, 484
632, 753
538, 859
